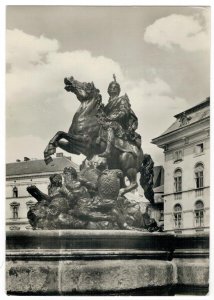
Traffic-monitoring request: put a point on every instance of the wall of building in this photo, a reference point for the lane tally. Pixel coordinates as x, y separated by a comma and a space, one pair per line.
23, 199
190, 194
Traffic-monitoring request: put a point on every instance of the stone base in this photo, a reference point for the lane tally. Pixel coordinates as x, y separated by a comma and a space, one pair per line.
91, 262
70, 277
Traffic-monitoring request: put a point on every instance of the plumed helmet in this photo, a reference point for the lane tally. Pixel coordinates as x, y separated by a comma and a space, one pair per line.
115, 83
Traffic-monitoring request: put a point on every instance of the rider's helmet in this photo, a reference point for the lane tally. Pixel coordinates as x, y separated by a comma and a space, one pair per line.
114, 87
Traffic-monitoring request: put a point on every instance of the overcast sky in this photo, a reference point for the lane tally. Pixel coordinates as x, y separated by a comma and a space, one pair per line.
160, 56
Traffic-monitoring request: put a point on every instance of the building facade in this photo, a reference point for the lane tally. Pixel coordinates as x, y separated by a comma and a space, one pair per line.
186, 145
20, 175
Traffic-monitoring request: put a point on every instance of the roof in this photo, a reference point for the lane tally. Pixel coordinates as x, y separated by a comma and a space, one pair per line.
38, 166
192, 115
196, 107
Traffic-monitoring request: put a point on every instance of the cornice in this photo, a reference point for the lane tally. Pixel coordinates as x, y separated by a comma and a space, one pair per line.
32, 175
173, 135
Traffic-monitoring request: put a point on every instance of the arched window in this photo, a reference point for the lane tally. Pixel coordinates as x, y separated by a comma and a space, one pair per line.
199, 175
15, 209
15, 192
178, 216
199, 213
178, 180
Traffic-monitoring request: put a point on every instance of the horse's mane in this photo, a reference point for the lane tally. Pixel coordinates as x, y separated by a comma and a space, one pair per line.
98, 98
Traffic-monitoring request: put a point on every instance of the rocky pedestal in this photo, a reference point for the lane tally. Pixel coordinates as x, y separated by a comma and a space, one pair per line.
111, 262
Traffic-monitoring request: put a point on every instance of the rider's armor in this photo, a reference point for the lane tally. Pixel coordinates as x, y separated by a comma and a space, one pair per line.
120, 120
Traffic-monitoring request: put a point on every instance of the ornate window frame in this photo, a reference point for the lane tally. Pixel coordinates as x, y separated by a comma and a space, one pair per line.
178, 216
30, 204
199, 214
178, 155
15, 209
199, 175
178, 180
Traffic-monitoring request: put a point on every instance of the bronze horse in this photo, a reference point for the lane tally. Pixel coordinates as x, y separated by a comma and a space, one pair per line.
83, 135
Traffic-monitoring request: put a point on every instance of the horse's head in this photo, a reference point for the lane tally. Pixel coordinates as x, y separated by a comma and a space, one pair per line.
83, 90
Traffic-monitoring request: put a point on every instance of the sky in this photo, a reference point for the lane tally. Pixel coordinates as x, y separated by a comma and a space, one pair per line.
160, 56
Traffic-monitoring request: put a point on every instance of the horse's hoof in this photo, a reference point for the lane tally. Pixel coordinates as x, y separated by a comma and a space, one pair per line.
48, 160
50, 149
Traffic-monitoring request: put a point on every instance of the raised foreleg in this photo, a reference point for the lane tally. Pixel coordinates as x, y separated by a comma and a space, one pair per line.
53, 144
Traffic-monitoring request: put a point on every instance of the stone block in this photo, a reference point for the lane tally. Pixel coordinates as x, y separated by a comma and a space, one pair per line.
193, 272
32, 277
114, 275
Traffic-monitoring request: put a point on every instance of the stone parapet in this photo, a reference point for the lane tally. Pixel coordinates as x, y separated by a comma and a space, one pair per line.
113, 262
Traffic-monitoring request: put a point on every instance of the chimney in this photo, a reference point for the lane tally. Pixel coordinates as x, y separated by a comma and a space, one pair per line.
60, 154
26, 158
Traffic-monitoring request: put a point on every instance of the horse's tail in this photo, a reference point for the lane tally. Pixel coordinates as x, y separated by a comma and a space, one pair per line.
146, 178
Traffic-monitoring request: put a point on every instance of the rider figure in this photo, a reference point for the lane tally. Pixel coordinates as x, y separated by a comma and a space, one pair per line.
120, 120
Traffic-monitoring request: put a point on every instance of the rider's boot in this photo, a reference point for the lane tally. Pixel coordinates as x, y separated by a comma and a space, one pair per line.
110, 142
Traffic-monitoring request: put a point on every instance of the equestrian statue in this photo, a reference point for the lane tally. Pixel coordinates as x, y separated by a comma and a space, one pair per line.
94, 197
107, 131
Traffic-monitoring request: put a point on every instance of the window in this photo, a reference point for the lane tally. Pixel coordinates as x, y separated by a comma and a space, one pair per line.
199, 176
15, 192
15, 208
186, 140
161, 215
178, 180
177, 216
30, 204
178, 155
199, 148
199, 214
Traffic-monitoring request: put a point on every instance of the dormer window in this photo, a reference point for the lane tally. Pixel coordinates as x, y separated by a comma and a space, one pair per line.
184, 119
